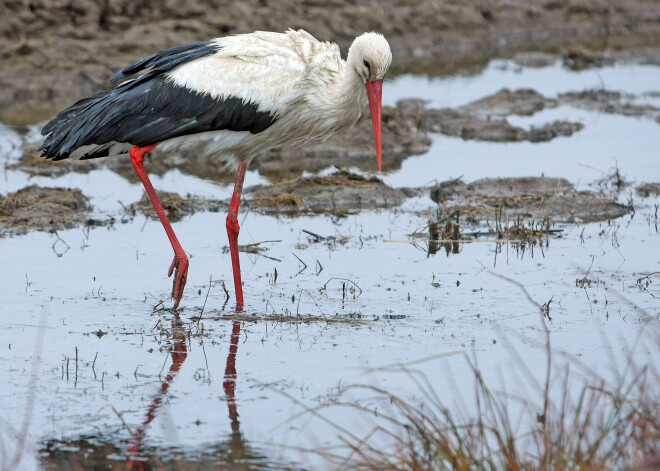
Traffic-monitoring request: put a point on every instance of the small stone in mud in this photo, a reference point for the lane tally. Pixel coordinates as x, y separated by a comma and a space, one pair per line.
39, 208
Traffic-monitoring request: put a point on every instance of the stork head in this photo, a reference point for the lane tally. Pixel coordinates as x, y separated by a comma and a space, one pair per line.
371, 58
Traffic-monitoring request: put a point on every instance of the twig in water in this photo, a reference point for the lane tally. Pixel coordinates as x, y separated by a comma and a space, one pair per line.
316, 236
225, 290
304, 267
205, 299
122, 420
324, 287
94, 363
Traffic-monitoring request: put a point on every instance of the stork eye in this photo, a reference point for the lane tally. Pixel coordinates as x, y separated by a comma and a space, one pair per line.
367, 64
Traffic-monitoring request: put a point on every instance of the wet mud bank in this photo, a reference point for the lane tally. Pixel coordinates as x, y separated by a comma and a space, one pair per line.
336, 194
554, 200
407, 129
45, 209
55, 53
486, 118
534, 198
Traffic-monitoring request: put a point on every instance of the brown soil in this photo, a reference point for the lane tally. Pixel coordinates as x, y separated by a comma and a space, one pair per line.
35, 165
609, 102
176, 207
537, 198
460, 123
56, 52
534, 198
485, 119
339, 193
39, 208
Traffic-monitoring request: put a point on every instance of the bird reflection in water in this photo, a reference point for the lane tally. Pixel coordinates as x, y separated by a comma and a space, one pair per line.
100, 452
229, 383
179, 354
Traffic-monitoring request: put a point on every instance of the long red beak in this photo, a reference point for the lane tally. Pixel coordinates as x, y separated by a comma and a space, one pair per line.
375, 93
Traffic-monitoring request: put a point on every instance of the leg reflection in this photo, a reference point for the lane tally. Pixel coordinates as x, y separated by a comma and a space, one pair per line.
179, 353
229, 383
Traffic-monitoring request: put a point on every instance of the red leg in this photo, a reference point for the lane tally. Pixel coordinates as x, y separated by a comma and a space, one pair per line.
180, 262
232, 232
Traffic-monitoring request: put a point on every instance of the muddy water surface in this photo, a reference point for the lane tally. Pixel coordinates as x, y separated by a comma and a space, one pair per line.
105, 373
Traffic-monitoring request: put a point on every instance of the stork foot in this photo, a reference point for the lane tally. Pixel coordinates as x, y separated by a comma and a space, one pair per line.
179, 267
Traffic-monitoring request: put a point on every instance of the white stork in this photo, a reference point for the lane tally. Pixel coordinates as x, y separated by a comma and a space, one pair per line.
232, 97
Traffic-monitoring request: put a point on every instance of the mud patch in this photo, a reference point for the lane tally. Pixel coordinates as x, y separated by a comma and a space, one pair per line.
609, 102
485, 119
33, 164
176, 207
537, 198
522, 102
43, 209
65, 50
335, 194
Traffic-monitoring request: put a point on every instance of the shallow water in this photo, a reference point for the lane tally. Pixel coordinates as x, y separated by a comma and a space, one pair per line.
115, 372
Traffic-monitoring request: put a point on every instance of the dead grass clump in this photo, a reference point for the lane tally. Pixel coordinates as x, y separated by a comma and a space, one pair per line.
597, 426
647, 189
35, 207
341, 178
520, 233
176, 207
613, 182
282, 201
447, 234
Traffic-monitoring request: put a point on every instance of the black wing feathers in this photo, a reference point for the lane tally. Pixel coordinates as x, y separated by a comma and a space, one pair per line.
167, 60
148, 110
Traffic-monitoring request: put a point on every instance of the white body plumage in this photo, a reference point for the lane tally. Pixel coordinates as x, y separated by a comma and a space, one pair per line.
301, 82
